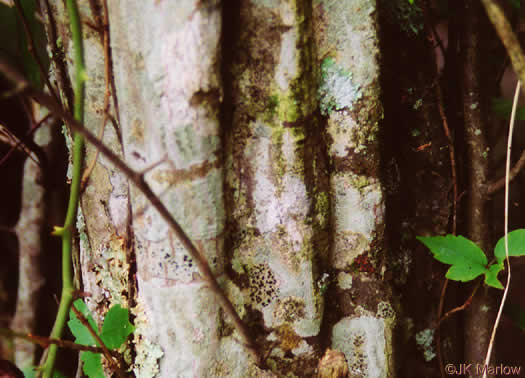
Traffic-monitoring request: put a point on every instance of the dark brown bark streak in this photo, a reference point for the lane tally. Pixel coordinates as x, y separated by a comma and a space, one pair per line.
478, 317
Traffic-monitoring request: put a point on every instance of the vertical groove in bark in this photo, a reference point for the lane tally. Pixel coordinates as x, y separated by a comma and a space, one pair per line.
479, 315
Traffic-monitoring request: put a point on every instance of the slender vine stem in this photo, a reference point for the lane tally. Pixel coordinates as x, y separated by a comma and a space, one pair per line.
66, 232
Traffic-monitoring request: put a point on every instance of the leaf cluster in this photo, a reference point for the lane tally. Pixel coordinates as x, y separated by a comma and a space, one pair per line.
468, 261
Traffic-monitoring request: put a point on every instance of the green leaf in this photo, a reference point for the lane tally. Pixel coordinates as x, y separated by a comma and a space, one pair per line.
81, 333
516, 245
92, 364
467, 259
116, 327
502, 107
491, 276
115, 330
411, 1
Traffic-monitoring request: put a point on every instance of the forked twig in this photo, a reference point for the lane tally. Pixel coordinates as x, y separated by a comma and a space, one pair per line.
459, 308
18, 144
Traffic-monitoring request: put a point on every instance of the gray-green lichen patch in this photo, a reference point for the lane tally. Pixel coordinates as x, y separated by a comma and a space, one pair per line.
298, 303
279, 197
425, 341
81, 230
342, 127
347, 246
358, 211
282, 295
106, 271
336, 90
193, 143
201, 217
145, 364
287, 68
232, 360
188, 330
348, 33
363, 341
344, 280
69, 145
197, 205
112, 276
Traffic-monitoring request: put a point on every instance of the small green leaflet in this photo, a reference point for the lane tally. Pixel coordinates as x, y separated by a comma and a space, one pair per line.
92, 364
491, 276
115, 330
467, 259
516, 245
116, 327
81, 333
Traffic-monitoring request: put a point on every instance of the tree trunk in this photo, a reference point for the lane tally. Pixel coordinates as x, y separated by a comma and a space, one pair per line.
257, 124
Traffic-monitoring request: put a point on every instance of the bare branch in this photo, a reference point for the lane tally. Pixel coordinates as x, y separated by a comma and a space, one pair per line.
500, 183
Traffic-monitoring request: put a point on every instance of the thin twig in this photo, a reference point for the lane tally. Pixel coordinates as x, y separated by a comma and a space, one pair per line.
21, 144
140, 183
497, 185
462, 307
44, 342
